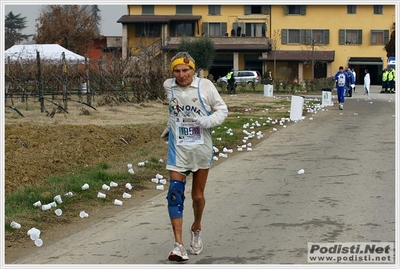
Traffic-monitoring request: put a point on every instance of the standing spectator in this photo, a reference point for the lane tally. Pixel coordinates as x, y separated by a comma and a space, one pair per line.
385, 84
355, 80
231, 82
342, 80
195, 107
391, 79
349, 87
367, 82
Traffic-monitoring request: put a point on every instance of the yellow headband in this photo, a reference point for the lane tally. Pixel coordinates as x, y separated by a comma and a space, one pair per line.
186, 61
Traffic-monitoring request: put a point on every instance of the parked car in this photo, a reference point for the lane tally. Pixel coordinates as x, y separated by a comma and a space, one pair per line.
243, 76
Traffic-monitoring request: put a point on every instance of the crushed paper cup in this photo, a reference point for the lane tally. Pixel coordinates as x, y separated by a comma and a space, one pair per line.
300, 172
69, 194
141, 164
83, 214
37, 204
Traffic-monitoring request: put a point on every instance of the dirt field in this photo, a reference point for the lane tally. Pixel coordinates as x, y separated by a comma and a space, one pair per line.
38, 145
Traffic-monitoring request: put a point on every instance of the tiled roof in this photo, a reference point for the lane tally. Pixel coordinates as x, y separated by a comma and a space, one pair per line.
129, 19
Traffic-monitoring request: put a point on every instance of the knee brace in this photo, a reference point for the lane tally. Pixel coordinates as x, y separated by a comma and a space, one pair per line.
176, 198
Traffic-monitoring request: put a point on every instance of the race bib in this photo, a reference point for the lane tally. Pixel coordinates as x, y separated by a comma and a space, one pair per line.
188, 132
341, 80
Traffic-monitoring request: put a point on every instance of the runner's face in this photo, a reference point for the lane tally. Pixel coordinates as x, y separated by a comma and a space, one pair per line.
183, 74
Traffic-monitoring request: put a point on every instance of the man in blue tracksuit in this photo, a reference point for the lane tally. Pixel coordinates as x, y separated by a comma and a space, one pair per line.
350, 76
342, 80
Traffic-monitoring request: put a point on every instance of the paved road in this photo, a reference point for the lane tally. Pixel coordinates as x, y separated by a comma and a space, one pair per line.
259, 209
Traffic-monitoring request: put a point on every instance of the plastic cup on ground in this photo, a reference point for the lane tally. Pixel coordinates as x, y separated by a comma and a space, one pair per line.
83, 214
58, 199
53, 204
129, 165
58, 212
38, 242
128, 186
113, 184
101, 195
118, 202
163, 181
33, 233
126, 195
37, 204
130, 170
46, 207
69, 194
105, 187
15, 225
85, 186
160, 187
141, 164
154, 180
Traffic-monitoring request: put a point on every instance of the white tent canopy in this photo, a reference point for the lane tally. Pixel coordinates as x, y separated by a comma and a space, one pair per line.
47, 52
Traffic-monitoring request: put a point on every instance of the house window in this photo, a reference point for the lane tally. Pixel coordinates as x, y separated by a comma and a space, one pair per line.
185, 29
184, 9
255, 29
295, 9
351, 37
214, 29
265, 9
256, 9
379, 37
214, 10
148, 9
148, 30
294, 36
347, 37
378, 9
318, 36
351, 9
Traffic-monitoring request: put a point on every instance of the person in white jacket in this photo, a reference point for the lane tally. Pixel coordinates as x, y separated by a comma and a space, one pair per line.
367, 82
194, 107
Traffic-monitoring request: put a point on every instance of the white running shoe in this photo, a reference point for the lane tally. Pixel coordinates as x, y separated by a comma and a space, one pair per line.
178, 254
196, 245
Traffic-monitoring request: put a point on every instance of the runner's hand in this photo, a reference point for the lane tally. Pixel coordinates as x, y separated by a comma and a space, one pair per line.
204, 122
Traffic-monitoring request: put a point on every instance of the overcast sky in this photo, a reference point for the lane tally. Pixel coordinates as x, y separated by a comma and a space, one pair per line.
109, 16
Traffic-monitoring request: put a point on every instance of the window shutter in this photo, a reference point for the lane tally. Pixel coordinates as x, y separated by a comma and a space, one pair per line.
303, 10
359, 35
385, 36
308, 37
341, 37
204, 28
247, 10
243, 25
284, 36
326, 35
286, 9
224, 28
266, 10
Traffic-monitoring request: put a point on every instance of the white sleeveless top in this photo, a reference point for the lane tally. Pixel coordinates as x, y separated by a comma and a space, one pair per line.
189, 145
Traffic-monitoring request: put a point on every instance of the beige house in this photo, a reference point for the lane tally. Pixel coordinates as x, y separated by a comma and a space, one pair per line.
286, 39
